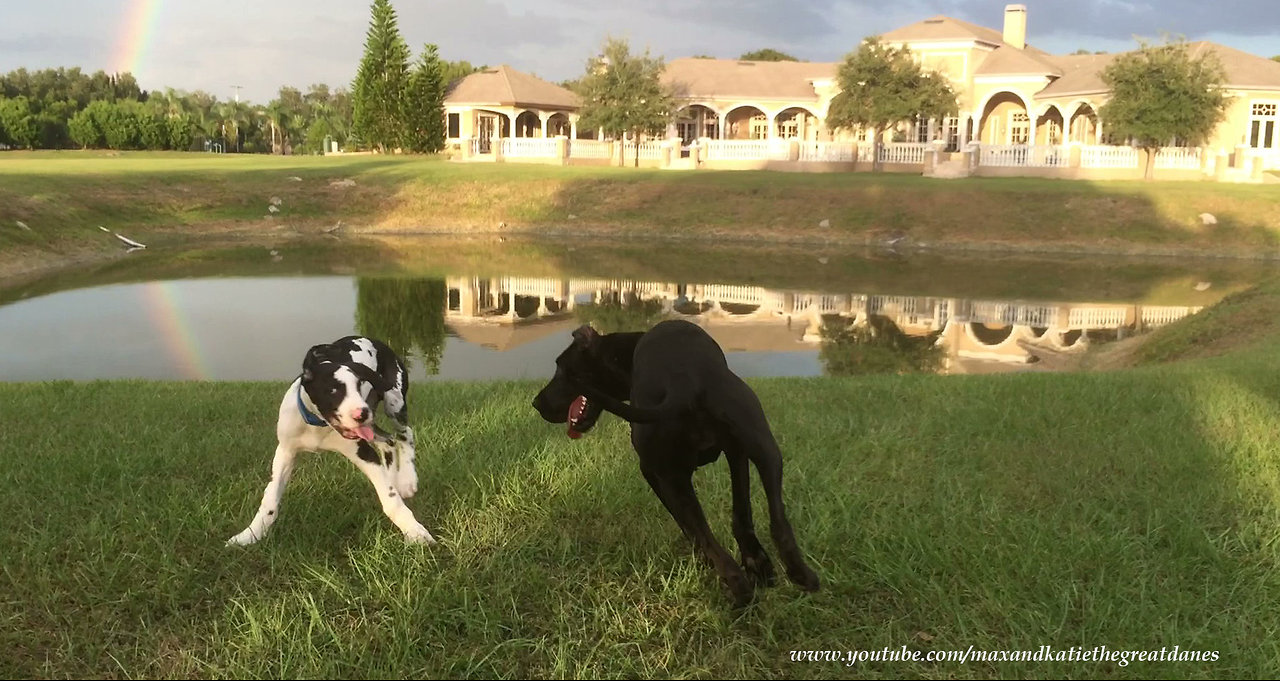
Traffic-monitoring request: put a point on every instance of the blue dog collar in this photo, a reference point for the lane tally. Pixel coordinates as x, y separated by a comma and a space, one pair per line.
307, 416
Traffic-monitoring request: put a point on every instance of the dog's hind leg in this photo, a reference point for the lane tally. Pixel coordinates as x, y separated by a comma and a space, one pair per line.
679, 488
768, 460
754, 558
269, 509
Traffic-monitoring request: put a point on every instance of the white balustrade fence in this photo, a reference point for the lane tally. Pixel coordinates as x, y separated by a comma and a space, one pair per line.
824, 303
529, 147
1157, 315
838, 152
747, 150
1024, 156
589, 149
990, 312
1103, 156
1178, 158
577, 286
651, 150
1097, 317
892, 304
904, 152
725, 293
530, 286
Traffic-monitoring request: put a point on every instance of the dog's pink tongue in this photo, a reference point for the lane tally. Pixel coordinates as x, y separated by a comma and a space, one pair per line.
365, 432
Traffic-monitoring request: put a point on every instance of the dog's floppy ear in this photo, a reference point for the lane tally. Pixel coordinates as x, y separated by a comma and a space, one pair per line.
374, 378
313, 357
586, 336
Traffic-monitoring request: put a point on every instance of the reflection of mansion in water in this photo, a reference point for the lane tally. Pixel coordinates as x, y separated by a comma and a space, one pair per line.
978, 335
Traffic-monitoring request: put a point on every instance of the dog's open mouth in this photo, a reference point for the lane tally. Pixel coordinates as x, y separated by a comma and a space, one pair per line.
357, 433
576, 409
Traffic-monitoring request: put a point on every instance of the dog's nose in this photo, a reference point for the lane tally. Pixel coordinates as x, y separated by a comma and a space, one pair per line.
362, 413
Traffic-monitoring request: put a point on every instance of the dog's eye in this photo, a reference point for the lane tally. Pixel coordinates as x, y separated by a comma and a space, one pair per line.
333, 391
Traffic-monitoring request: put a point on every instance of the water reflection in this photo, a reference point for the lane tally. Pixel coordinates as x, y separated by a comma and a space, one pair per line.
877, 345
476, 327
405, 313
851, 332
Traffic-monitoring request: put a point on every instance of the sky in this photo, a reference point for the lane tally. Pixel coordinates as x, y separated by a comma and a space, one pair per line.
260, 45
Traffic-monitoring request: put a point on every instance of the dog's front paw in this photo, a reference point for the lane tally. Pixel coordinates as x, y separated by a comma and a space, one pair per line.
805, 578
741, 590
245, 538
419, 535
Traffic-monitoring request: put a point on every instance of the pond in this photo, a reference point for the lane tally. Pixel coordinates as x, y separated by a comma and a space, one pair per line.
487, 308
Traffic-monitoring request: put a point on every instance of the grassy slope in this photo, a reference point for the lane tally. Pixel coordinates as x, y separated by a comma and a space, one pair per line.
64, 196
1133, 509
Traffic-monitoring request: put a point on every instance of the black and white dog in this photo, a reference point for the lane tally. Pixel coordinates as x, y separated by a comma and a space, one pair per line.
331, 406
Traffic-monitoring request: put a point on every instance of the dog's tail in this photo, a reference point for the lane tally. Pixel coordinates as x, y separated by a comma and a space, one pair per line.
673, 404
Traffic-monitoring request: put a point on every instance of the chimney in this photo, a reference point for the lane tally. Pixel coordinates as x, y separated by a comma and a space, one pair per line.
1015, 25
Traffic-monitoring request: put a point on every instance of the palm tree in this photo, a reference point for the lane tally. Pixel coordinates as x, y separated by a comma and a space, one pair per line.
276, 117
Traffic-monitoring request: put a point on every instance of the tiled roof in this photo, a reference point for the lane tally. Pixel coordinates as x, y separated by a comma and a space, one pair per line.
505, 86
731, 78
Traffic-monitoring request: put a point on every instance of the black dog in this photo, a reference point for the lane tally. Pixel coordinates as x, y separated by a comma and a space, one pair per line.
686, 408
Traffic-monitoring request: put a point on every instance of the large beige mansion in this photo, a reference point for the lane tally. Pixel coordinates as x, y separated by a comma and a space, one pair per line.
1021, 109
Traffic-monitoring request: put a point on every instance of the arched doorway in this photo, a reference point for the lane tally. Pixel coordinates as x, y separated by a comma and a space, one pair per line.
746, 123
1084, 124
558, 124
1005, 120
796, 123
1050, 127
528, 125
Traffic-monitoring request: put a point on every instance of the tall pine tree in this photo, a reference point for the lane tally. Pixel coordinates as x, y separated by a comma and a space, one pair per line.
424, 104
379, 89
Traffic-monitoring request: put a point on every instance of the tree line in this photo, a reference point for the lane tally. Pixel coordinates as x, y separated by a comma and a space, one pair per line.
390, 105
68, 108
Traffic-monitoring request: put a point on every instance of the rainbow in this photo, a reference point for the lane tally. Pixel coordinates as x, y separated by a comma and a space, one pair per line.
137, 34
174, 330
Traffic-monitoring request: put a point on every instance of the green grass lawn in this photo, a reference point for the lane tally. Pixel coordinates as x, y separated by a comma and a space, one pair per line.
165, 198
1135, 509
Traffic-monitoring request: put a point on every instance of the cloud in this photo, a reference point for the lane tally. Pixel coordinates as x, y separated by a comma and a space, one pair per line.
1122, 19
263, 45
